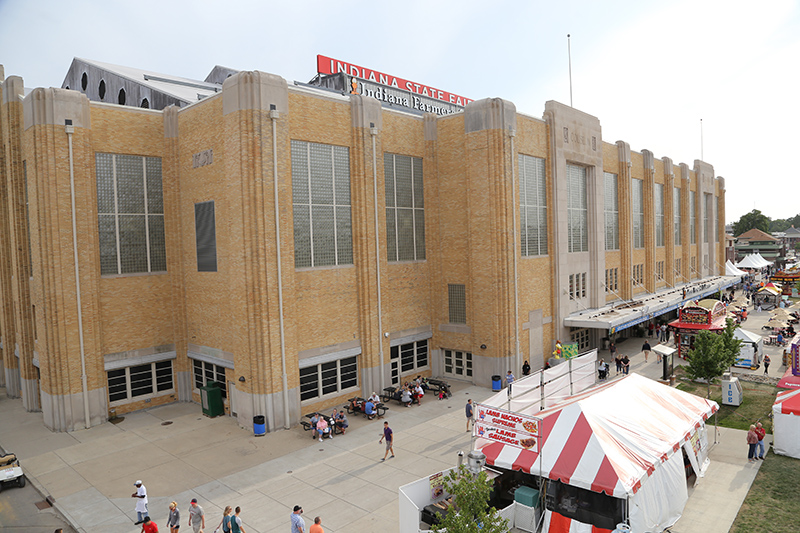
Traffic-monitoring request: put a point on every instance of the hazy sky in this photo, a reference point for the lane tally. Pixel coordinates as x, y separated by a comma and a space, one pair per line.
648, 70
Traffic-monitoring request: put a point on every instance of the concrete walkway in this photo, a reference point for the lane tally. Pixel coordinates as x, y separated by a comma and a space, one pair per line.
90, 473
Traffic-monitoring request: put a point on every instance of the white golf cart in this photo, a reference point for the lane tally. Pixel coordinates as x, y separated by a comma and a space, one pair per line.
10, 471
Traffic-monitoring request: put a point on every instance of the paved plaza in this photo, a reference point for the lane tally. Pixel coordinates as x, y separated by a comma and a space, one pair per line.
90, 473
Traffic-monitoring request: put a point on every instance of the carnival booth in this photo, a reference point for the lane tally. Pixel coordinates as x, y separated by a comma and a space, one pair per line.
768, 296
751, 349
786, 423
600, 458
791, 378
705, 315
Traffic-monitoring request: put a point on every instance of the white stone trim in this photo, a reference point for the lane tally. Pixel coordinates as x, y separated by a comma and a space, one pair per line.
112, 363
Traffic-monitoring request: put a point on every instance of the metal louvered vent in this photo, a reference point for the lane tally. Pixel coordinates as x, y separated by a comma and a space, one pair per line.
206, 236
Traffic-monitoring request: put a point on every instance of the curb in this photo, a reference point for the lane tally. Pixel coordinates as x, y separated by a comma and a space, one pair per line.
64, 514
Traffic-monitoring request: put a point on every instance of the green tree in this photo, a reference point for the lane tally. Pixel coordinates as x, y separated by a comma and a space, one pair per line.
471, 512
711, 356
753, 219
731, 344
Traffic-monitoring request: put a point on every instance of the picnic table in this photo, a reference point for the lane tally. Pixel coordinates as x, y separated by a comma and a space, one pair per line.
356, 405
307, 423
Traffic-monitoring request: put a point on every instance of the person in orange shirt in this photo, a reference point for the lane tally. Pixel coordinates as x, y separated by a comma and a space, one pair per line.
317, 526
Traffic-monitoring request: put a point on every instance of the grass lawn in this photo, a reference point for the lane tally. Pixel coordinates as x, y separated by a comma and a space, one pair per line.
773, 502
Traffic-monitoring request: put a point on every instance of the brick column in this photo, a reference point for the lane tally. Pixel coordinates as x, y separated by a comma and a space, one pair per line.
625, 221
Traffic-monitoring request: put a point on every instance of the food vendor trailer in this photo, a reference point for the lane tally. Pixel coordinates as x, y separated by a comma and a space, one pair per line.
694, 317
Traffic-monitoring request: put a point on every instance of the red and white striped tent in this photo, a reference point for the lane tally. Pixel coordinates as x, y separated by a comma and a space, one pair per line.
786, 423
619, 438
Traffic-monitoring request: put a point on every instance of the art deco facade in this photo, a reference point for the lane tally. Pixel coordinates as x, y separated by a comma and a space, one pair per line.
300, 247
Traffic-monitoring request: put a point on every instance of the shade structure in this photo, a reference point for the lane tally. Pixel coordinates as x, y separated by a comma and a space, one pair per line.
749, 261
731, 270
786, 423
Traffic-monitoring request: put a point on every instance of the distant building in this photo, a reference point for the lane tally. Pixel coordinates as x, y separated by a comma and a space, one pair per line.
756, 241
791, 237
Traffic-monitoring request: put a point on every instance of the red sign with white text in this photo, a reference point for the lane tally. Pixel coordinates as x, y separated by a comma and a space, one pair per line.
327, 65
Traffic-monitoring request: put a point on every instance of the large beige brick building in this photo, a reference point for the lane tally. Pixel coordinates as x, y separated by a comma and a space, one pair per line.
299, 246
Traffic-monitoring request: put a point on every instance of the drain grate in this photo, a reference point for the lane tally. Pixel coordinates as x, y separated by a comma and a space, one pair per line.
166, 423
42, 505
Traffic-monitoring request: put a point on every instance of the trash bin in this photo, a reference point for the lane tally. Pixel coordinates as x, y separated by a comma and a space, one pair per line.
497, 383
259, 425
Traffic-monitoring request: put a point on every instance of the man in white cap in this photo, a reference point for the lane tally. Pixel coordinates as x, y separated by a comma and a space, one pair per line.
141, 501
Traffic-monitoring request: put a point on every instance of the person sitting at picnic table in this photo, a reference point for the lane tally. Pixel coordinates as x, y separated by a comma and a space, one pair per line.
341, 422
420, 393
780, 338
314, 421
405, 397
323, 429
375, 399
369, 409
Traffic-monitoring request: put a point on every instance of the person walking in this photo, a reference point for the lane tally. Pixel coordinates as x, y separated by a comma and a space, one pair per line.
760, 433
197, 517
752, 441
389, 436
469, 413
141, 501
526, 368
298, 526
236, 522
316, 527
510, 378
646, 349
225, 523
174, 520
148, 526
766, 364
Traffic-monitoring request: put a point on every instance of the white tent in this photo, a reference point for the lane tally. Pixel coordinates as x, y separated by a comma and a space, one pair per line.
751, 349
731, 270
749, 261
764, 261
786, 423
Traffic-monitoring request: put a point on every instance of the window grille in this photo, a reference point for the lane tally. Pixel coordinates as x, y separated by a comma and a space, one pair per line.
637, 207
658, 202
457, 303
332, 377
405, 208
140, 382
205, 229
413, 355
611, 211
676, 212
532, 205
577, 211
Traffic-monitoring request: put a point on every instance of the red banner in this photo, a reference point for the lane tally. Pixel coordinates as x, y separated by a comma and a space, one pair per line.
327, 65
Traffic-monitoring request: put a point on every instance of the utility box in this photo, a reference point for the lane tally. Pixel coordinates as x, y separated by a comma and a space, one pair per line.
527, 496
731, 390
211, 397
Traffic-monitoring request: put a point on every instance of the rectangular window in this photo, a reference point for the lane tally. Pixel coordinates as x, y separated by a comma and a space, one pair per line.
332, 377
205, 373
658, 203
458, 364
130, 210
405, 208
676, 211
707, 207
140, 382
321, 204
577, 286
413, 356
678, 273
577, 211
205, 230
637, 208
457, 303
611, 211
532, 205
580, 336
660, 270
692, 217
638, 274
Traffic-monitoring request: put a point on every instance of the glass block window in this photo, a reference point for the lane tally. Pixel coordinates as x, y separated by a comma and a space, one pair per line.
413, 355
532, 205
457, 303
205, 232
577, 286
321, 203
332, 377
140, 382
611, 211
638, 274
678, 272
457, 363
577, 211
405, 208
130, 211
692, 217
676, 213
658, 205
637, 209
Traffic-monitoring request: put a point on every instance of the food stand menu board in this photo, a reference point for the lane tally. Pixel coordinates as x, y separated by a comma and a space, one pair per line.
507, 427
437, 485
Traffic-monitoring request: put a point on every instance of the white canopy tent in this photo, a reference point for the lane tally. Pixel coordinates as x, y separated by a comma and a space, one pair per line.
750, 261
731, 270
751, 349
764, 261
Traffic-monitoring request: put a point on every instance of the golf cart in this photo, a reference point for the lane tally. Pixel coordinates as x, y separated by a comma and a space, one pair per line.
10, 471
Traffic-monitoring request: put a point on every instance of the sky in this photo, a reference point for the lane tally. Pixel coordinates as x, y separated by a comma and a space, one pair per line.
650, 71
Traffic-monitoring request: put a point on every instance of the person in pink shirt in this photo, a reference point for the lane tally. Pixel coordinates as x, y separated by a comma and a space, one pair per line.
322, 428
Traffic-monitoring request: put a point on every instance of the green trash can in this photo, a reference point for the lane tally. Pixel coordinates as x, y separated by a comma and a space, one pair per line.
211, 397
